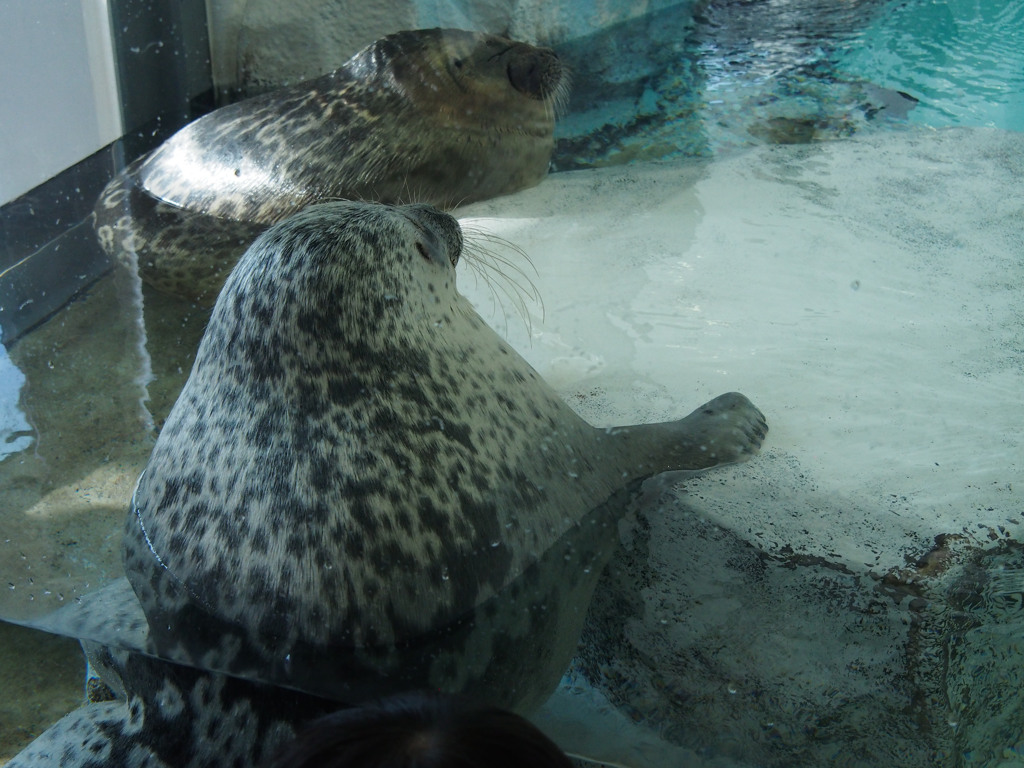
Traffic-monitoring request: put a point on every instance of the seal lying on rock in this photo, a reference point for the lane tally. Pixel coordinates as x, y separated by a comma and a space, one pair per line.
363, 489
438, 116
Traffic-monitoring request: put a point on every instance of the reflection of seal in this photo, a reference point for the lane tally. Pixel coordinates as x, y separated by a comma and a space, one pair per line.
359, 473
436, 116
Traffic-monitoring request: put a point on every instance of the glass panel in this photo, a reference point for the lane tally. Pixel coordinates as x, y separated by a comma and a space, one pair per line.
364, 489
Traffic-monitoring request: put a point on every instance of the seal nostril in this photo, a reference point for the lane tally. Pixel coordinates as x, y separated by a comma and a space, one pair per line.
534, 73
423, 250
524, 77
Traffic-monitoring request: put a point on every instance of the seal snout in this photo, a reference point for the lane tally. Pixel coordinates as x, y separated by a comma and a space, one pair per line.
535, 72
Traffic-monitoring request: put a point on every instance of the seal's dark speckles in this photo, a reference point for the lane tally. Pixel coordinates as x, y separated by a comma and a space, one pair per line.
404, 494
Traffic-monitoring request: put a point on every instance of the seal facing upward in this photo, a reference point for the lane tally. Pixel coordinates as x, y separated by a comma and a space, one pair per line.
361, 490
362, 484
439, 116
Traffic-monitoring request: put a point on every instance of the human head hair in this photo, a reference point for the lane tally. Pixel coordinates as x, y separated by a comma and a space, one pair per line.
421, 730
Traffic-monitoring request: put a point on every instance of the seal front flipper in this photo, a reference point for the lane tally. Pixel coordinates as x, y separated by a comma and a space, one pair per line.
724, 430
362, 486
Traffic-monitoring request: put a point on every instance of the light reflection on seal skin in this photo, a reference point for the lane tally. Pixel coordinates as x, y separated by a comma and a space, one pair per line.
438, 116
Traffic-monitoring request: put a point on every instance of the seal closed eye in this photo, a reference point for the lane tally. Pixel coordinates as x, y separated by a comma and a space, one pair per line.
361, 478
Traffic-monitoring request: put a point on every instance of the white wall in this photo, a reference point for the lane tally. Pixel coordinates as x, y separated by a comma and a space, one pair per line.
58, 90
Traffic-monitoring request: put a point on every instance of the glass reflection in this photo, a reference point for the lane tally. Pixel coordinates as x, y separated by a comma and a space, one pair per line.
916, 663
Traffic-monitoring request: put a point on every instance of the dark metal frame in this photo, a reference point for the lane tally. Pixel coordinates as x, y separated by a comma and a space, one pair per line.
48, 253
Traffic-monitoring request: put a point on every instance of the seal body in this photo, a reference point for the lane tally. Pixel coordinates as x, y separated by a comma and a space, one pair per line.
361, 489
360, 474
146, 712
439, 116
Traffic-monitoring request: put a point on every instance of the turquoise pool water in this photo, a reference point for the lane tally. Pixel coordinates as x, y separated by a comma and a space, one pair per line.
737, 74
963, 59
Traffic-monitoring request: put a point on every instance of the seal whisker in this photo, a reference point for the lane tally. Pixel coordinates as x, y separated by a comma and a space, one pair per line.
479, 236
481, 274
456, 203
558, 101
408, 195
485, 254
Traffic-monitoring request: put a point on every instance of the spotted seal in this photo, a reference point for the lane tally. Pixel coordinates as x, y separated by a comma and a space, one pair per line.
439, 116
363, 489
358, 461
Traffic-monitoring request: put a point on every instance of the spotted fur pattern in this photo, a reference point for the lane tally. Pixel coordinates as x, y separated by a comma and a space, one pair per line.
357, 462
436, 116
175, 251
169, 714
